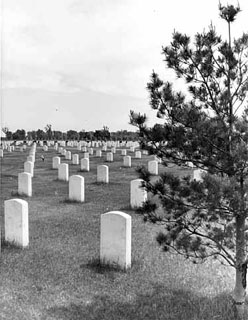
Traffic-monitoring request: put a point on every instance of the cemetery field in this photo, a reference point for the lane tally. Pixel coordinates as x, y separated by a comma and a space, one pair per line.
59, 276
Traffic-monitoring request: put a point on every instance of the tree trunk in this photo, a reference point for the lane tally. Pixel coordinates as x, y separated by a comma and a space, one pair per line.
241, 265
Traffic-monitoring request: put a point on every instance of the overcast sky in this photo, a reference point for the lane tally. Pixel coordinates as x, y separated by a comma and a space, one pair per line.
82, 64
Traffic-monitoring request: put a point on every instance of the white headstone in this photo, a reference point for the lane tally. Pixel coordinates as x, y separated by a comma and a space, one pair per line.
25, 184
63, 172
75, 159
68, 155
85, 164
76, 188
138, 194
127, 161
153, 167
138, 154
29, 167
110, 157
123, 152
56, 162
103, 174
197, 174
115, 239
16, 222
86, 155
98, 153
1, 153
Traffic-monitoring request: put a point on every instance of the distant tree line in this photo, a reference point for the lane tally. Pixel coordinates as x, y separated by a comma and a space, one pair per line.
49, 134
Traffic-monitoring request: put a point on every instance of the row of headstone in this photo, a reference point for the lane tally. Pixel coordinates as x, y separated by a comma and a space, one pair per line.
25, 178
115, 231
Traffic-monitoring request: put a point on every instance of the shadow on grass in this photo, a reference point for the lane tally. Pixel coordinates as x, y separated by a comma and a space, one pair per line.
70, 201
15, 193
10, 245
106, 268
159, 303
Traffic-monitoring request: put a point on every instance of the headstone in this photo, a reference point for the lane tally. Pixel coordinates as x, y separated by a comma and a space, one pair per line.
76, 188
25, 184
110, 157
85, 164
103, 174
16, 222
56, 162
104, 148
113, 150
63, 172
1, 153
197, 174
153, 167
86, 155
138, 194
127, 161
138, 154
68, 155
123, 152
98, 153
115, 239
75, 159
29, 167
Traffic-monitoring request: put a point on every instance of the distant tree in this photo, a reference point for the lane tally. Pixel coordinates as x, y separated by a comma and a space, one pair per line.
57, 135
102, 134
31, 135
41, 135
72, 135
205, 218
19, 134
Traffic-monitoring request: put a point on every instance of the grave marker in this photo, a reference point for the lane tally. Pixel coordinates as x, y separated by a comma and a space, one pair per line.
16, 222
103, 174
76, 188
138, 194
115, 239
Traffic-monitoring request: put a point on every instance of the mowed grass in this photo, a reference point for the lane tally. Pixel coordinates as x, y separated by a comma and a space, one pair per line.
59, 276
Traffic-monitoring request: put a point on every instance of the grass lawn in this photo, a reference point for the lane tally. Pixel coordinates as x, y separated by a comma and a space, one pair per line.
59, 277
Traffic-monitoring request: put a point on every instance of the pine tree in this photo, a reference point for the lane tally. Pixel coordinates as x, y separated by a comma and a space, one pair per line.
207, 127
